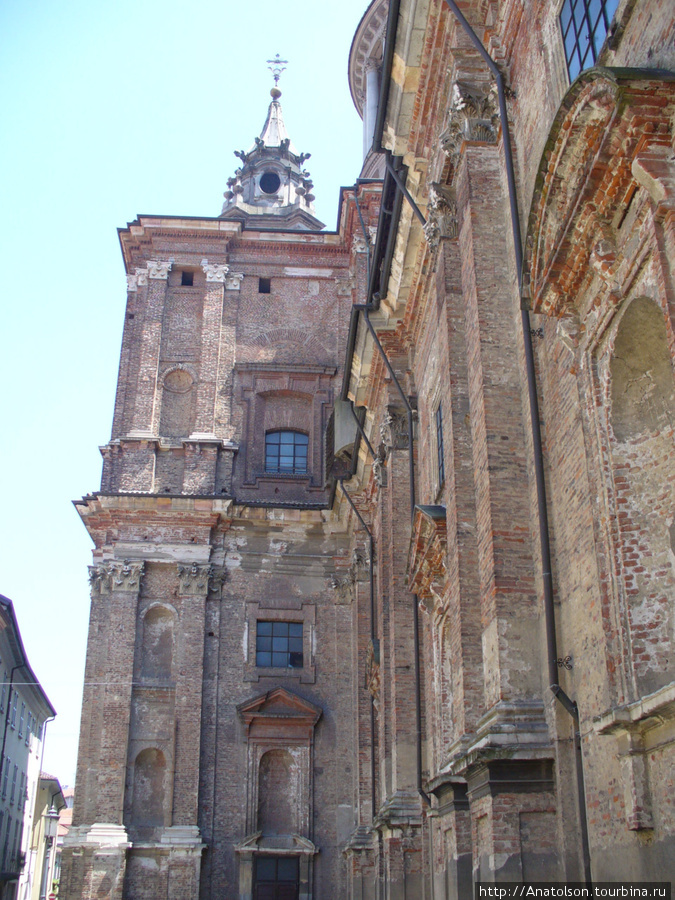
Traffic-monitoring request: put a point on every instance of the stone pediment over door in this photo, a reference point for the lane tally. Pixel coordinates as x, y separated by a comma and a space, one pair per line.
279, 772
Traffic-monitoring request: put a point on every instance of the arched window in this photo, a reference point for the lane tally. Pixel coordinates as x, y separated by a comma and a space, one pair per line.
286, 452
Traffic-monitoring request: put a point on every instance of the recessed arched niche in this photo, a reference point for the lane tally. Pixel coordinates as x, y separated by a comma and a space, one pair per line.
149, 788
642, 385
178, 405
157, 644
278, 783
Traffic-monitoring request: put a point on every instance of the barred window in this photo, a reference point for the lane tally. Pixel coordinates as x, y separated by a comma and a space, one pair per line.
584, 25
279, 644
286, 452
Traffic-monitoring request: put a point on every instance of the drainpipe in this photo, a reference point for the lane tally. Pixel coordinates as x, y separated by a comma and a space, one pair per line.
365, 309
371, 561
567, 704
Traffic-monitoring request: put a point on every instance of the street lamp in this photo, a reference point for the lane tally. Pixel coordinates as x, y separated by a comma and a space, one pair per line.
51, 818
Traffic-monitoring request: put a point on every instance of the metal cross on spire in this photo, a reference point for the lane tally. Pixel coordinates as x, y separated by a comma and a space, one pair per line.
276, 67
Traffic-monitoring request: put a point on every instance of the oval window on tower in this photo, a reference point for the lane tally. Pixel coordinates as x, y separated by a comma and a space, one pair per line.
269, 182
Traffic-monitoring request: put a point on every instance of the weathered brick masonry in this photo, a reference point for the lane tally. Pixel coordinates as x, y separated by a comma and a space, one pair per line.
411, 743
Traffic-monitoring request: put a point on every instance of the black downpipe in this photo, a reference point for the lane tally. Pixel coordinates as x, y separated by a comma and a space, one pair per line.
371, 563
411, 473
568, 705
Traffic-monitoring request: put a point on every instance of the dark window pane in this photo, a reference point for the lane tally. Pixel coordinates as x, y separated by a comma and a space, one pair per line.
263, 659
265, 627
287, 869
295, 629
295, 660
266, 868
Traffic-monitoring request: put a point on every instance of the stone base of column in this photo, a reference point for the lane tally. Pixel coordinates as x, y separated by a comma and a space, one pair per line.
94, 862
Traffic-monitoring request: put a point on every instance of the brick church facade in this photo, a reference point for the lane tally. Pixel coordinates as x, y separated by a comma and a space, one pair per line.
384, 566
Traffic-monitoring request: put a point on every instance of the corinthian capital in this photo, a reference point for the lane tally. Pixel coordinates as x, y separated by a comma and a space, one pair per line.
214, 271
193, 579
158, 269
126, 575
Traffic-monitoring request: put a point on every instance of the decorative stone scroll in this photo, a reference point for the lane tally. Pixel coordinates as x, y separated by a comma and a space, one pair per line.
442, 219
473, 116
215, 271
193, 580
158, 269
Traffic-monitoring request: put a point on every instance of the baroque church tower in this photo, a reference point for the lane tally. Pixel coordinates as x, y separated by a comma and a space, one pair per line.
214, 723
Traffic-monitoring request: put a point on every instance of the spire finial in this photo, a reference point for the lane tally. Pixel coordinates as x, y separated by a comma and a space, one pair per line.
276, 67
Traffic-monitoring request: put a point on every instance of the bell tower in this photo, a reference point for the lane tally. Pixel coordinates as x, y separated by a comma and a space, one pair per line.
213, 672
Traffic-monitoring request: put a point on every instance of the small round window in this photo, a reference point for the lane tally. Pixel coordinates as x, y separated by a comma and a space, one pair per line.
270, 182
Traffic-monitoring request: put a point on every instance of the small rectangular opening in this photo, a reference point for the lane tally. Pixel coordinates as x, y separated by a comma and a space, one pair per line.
264, 285
187, 279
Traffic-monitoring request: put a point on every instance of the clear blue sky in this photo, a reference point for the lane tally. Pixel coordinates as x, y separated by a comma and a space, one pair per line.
110, 110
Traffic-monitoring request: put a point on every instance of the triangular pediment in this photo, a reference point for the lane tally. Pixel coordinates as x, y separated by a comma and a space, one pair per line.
279, 704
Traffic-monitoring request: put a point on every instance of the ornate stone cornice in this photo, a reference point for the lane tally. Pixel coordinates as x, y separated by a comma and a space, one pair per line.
158, 269
215, 271
193, 579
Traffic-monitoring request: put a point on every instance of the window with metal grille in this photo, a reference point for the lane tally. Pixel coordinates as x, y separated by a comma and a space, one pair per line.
279, 644
286, 452
584, 25
439, 445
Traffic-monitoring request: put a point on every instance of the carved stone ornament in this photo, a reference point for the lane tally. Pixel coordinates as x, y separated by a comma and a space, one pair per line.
378, 467
99, 579
158, 269
126, 575
373, 677
359, 243
141, 277
215, 271
343, 585
233, 281
473, 116
193, 580
441, 214
360, 562
217, 578
132, 283
394, 429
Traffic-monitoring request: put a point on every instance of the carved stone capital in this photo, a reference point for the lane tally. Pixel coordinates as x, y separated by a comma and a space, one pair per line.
215, 271
360, 562
394, 429
132, 283
99, 579
193, 579
343, 585
373, 677
379, 469
141, 277
473, 116
233, 281
359, 243
217, 578
126, 575
158, 269
442, 219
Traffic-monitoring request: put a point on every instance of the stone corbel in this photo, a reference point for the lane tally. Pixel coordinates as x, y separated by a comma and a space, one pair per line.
193, 580
158, 269
214, 271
